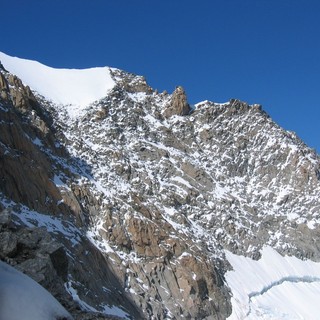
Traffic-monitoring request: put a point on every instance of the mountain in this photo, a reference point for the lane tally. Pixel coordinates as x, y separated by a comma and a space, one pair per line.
126, 202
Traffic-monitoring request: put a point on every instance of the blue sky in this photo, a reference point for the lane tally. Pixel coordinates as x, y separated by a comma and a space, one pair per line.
259, 51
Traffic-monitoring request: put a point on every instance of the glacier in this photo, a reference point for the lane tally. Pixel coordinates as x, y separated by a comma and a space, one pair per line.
273, 287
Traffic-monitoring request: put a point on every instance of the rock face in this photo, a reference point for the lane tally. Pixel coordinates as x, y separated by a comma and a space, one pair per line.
131, 203
178, 104
48, 260
26, 173
29, 159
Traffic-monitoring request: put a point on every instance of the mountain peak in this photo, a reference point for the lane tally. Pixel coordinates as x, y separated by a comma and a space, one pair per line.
147, 209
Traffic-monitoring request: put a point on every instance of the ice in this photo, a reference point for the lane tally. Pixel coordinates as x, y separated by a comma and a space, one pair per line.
23, 298
274, 287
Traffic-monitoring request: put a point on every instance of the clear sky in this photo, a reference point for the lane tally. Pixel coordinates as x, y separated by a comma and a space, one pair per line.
259, 51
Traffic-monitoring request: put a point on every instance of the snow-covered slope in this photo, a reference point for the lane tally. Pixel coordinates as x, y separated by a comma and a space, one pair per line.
176, 204
74, 87
274, 287
23, 298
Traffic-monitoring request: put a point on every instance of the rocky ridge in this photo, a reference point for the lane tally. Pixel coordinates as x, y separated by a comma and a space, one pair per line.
151, 192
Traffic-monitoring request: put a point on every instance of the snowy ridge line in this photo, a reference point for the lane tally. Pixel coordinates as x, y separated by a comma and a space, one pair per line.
292, 279
75, 89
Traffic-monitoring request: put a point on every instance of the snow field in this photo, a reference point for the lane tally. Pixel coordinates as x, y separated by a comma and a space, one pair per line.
23, 298
73, 88
274, 287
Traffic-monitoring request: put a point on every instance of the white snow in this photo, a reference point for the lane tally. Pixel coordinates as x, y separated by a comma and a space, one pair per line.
311, 224
182, 181
23, 298
74, 87
106, 309
274, 287
52, 224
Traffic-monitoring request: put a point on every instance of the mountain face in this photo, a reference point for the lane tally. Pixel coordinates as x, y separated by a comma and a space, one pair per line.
131, 203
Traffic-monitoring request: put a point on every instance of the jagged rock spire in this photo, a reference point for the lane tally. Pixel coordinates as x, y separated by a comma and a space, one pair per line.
178, 105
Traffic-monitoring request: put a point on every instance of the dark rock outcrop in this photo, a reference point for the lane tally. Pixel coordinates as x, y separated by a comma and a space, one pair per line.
57, 266
26, 173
